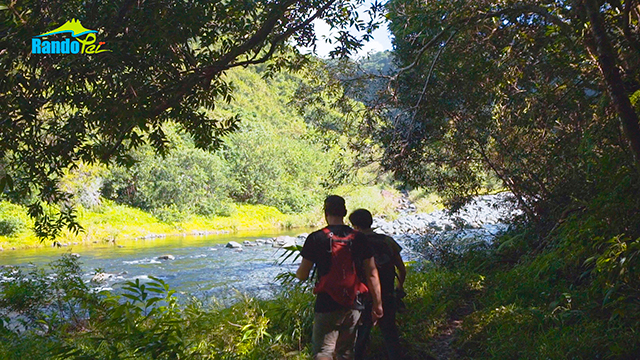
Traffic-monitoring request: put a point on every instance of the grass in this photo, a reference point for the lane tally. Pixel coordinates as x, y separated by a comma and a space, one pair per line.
111, 222
114, 222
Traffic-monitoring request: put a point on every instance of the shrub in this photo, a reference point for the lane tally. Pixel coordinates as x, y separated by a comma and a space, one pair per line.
11, 226
188, 179
13, 219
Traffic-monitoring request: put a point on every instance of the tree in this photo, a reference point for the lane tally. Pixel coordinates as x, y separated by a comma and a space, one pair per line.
533, 92
166, 61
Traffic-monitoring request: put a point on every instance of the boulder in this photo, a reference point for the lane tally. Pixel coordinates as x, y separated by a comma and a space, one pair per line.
99, 278
166, 257
75, 255
260, 241
248, 243
284, 241
302, 236
233, 245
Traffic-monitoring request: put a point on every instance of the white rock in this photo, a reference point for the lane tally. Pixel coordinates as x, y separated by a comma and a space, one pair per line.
101, 277
284, 241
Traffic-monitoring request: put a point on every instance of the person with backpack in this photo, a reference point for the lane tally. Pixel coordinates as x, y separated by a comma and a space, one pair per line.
345, 266
387, 258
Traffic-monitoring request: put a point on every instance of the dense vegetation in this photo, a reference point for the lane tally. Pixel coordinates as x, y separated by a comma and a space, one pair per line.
540, 96
166, 62
284, 159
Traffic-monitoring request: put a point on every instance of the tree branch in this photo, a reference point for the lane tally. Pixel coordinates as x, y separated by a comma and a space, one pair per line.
284, 36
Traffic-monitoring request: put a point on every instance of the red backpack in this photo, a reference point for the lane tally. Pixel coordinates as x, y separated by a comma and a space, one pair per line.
341, 282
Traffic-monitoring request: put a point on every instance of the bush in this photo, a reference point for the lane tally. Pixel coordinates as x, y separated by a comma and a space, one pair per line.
286, 173
188, 179
13, 219
11, 226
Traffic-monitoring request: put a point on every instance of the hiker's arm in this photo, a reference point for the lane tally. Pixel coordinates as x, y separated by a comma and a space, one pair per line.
402, 271
373, 282
304, 269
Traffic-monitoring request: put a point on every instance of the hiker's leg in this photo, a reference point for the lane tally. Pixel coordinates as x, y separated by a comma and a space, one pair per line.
363, 333
389, 330
325, 334
347, 335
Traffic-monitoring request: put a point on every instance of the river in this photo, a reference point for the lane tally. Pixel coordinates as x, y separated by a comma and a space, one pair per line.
202, 267
205, 268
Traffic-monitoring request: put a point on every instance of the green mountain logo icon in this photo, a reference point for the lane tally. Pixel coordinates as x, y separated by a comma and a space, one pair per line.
73, 26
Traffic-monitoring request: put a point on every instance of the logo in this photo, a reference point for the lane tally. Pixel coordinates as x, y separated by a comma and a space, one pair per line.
68, 46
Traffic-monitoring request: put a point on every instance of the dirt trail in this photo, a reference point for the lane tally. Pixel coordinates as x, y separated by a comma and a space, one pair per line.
441, 344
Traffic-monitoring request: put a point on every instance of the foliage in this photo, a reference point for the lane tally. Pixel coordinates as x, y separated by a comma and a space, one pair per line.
379, 200
13, 219
275, 158
166, 62
115, 223
280, 157
145, 320
45, 302
188, 180
576, 298
515, 91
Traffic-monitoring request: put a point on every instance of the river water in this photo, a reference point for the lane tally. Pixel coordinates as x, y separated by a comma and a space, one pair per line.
202, 267
205, 268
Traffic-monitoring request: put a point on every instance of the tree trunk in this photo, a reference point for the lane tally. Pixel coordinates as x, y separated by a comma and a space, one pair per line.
607, 63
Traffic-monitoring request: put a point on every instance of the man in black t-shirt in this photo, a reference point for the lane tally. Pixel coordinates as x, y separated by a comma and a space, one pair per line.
334, 327
387, 258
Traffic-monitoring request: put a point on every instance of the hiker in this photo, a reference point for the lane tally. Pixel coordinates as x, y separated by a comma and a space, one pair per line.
343, 259
387, 258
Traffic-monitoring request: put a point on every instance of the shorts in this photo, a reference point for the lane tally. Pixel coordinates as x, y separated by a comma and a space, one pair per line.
334, 333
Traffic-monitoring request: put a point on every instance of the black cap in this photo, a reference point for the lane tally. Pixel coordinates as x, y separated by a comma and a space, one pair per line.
334, 205
361, 218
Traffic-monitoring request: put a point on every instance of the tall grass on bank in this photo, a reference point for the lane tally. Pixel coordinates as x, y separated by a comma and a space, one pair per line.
112, 222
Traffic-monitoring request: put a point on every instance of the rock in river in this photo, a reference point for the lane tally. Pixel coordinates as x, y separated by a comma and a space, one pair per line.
101, 277
234, 245
166, 257
284, 241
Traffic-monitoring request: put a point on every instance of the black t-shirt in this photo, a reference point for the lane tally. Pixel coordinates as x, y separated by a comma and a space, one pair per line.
317, 249
385, 251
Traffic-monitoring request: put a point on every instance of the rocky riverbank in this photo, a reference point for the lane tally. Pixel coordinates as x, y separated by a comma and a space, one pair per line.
429, 236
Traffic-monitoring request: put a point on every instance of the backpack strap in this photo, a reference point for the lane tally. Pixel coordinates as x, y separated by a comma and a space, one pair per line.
333, 237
